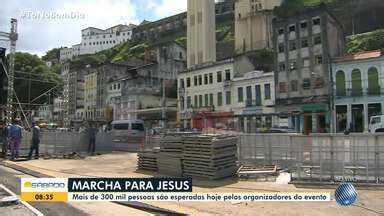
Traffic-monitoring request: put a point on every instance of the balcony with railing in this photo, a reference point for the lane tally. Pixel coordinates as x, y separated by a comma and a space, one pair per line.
358, 92
253, 103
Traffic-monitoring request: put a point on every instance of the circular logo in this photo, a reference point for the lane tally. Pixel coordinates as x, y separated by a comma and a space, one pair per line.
346, 194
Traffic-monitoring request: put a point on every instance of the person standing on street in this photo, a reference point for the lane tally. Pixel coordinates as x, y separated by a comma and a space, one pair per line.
92, 139
35, 141
15, 136
3, 138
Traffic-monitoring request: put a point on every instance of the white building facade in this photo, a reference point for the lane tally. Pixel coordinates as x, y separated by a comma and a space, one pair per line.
358, 90
214, 91
94, 40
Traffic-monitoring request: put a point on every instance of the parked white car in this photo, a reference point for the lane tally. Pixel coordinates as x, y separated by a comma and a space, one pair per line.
376, 125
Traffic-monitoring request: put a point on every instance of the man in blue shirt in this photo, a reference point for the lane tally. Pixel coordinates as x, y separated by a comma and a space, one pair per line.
3, 138
15, 136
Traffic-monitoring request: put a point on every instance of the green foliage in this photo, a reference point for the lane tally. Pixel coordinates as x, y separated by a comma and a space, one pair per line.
365, 42
291, 7
52, 54
31, 66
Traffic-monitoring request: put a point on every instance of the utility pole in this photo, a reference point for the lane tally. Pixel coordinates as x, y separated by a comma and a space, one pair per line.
163, 105
12, 37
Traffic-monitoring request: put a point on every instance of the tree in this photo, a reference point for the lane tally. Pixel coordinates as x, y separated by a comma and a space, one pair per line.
52, 54
33, 77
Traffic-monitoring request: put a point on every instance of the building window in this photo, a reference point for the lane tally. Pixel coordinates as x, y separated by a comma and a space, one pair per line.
195, 80
319, 83
306, 83
258, 95
196, 103
292, 45
248, 95
206, 100
283, 87
267, 91
227, 75
200, 100
228, 98
220, 99
281, 47
200, 17
182, 83
304, 25
292, 28
317, 40
293, 65
205, 79
357, 88
304, 43
188, 82
210, 78
211, 99
340, 83
319, 59
182, 103
240, 95
316, 21
200, 80
282, 66
200, 57
281, 31
192, 59
373, 81
219, 77
294, 85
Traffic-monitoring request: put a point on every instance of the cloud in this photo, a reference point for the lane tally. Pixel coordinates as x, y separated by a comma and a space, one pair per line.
170, 7
39, 35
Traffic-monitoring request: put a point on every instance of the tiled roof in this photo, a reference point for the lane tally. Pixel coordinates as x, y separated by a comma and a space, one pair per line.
360, 56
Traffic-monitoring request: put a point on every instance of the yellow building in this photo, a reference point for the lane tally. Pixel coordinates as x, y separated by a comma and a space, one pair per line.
90, 91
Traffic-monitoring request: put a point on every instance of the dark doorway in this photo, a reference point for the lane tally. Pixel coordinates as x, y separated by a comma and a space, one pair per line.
358, 118
341, 119
307, 123
321, 123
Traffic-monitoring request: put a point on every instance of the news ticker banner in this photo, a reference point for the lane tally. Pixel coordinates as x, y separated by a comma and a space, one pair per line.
142, 189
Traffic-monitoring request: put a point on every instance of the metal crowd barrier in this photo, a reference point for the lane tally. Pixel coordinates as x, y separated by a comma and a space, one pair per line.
324, 158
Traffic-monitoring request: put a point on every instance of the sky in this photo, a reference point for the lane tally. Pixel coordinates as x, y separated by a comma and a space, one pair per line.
37, 35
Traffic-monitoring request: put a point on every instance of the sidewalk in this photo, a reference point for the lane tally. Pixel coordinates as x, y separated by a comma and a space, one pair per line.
124, 165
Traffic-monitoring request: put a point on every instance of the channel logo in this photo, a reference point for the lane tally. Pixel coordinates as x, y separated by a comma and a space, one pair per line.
44, 184
346, 194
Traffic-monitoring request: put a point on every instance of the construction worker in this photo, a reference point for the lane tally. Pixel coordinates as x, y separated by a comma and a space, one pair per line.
15, 136
3, 138
35, 141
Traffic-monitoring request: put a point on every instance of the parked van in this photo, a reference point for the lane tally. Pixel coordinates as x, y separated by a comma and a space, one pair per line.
128, 135
376, 124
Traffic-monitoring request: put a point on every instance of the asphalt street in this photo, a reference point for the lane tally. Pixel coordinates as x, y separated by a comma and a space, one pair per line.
11, 179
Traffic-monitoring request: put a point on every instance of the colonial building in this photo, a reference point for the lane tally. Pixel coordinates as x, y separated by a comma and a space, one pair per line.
94, 40
358, 90
304, 45
253, 24
254, 102
210, 96
90, 95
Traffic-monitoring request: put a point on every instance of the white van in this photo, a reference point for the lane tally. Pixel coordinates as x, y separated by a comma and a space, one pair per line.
128, 135
376, 125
